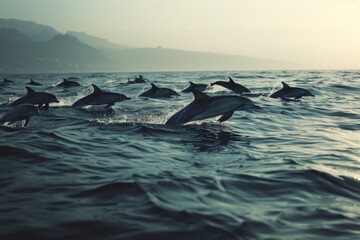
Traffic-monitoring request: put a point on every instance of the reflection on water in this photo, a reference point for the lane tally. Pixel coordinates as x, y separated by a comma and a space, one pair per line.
206, 138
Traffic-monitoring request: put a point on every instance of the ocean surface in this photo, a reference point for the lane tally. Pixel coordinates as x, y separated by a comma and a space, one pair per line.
290, 170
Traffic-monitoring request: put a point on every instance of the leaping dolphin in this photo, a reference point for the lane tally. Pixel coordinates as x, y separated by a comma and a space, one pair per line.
157, 92
198, 86
36, 98
32, 82
100, 97
233, 86
291, 92
204, 106
19, 113
68, 83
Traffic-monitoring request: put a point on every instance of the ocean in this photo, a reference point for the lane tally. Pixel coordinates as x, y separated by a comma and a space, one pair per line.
290, 170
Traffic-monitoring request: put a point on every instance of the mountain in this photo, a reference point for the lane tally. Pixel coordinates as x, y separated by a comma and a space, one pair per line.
96, 41
61, 53
161, 59
70, 50
36, 32
30, 47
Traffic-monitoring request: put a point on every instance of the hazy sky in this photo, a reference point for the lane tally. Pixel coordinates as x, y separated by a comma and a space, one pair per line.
315, 33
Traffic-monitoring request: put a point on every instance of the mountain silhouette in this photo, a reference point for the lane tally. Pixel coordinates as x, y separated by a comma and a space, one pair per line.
162, 59
30, 47
96, 41
34, 31
61, 53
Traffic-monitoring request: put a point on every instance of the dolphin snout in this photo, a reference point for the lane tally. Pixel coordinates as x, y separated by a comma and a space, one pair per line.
257, 107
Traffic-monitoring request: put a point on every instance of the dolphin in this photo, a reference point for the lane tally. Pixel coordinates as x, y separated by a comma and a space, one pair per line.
233, 86
291, 92
204, 106
100, 97
32, 82
139, 79
157, 92
68, 83
198, 86
19, 113
7, 81
36, 98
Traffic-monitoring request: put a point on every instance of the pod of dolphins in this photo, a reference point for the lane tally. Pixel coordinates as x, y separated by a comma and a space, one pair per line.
202, 106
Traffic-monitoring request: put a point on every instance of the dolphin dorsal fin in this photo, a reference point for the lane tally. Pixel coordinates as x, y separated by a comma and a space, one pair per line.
31, 81
96, 89
191, 83
285, 85
153, 87
65, 80
230, 80
29, 90
199, 96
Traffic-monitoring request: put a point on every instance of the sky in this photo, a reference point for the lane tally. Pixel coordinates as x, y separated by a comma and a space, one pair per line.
317, 34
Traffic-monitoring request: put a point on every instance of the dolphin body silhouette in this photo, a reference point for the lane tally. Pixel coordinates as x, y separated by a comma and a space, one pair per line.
100, 97
233, 86
19, 113
33, 83
68, 83
291, 92
7, 81
198, 86
36, 98
204, 106
157, 92
139, 79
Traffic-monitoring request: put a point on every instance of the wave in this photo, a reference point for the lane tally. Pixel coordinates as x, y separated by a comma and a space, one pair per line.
290, 169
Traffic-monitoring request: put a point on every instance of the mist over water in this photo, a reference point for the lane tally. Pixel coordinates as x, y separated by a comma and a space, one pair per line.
289, 170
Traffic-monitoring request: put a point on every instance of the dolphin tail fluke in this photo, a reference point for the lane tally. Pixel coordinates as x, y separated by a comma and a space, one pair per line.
226, 116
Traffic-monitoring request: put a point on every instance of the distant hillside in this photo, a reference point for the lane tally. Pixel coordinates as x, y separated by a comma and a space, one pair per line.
96, 41
160, 59
36, 32
19, 53
30, 47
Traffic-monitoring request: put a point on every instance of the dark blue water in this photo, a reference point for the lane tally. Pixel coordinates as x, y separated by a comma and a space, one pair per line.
290, 170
